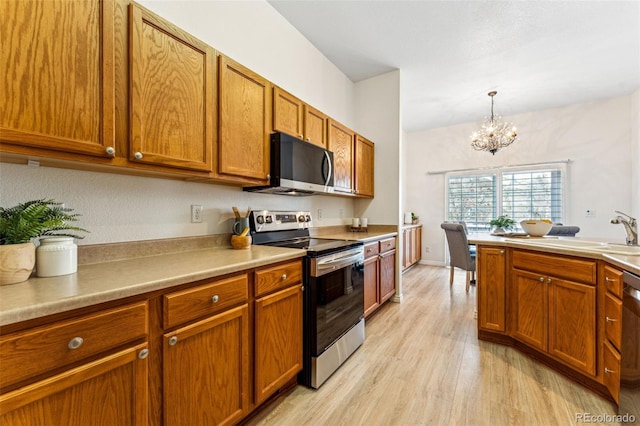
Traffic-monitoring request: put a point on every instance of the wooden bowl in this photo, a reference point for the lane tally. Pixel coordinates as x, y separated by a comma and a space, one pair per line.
239, 242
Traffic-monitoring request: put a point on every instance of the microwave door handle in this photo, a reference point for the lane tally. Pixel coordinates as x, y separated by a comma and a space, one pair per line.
326, 182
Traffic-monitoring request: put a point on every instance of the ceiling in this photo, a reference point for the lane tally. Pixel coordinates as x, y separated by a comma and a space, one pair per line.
536, 54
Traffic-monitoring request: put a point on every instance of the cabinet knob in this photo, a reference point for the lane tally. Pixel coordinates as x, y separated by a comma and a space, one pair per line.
137, 155
283, 277
215, 299
308, 139
110, 151
75, 343
173, 340
143, 354
548, 280
609, 319
268, 176
300, 136
541, 279
301, 288
501, 252
607, 371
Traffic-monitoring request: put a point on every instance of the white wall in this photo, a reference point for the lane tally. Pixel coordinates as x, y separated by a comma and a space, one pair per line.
596, 136
377, 105
123, 208
635, 154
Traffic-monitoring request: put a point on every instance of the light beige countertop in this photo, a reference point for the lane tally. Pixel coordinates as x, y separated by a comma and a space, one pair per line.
594, 248
107, 281
365, 237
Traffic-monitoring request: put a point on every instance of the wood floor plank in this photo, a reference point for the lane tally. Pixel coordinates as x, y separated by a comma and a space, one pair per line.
422, 364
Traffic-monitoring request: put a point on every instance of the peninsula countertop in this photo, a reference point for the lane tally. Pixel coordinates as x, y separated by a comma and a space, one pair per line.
106, 281
572, 246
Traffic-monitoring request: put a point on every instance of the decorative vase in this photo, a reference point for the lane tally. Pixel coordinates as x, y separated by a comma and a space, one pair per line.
16, 262
56, 256
498, 230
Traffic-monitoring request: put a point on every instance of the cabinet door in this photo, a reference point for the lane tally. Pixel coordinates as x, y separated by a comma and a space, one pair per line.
387, 275
364, 165
572, 324
611, 370
492, 269
529, 306
416, 245
315, 126
244, 123
112, 390
341, 141
172, 94
206, 370
278, 340
57, 79
287, 113
406, 255
371, 288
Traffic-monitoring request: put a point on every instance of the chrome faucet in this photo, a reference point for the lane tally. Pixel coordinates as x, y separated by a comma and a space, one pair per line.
630, 226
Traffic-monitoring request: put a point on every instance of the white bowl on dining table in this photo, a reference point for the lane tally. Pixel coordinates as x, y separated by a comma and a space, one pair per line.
536, 227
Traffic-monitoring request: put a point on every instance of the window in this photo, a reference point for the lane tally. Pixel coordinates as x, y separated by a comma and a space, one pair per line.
517, 193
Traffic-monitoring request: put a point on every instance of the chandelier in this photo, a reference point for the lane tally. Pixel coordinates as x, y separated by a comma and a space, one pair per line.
495, 133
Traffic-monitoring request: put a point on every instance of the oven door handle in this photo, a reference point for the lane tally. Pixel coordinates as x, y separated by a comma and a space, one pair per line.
340, 261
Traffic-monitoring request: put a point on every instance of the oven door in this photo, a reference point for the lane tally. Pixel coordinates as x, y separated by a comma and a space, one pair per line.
335, 297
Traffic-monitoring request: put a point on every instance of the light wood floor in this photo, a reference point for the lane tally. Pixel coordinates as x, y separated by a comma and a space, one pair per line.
422, 363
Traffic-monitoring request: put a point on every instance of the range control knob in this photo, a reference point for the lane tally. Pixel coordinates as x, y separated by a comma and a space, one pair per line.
260, 219
308, 218
269, 219
301, 218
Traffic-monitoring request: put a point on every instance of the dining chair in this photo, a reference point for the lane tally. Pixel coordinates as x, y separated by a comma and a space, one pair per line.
460, 256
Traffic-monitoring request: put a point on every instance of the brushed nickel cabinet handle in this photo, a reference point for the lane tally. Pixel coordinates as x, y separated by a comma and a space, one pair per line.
137, 155
609, 319
215, 299
283, 277
143, 354
173, 340
609, 280
110, 151
541, 279
607, 371
75, 343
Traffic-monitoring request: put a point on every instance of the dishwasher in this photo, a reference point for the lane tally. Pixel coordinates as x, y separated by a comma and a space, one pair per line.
630, 351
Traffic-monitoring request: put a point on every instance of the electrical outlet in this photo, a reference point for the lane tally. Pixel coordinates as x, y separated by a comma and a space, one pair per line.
196, 213
427, 249
590, 213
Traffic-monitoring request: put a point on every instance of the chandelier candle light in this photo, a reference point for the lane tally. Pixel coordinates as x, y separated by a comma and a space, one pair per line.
495, 133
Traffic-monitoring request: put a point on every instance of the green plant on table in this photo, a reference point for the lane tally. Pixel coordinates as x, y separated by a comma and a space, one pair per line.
37, 218
503, 222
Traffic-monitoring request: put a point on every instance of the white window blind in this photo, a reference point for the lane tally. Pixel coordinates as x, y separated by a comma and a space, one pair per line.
519, 194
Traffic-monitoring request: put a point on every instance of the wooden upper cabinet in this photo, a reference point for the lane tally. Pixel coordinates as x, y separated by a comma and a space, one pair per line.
172, 94
244, 123
57, 79
287, 113
315, 126
364, 164
341, 143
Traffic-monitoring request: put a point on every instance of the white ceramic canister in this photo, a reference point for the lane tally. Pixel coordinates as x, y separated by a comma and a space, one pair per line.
56, 256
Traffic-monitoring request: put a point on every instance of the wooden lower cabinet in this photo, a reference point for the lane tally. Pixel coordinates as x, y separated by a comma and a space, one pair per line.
379, 273
206, 370
412, 237
556, 315
491, 266
278, 340
112, 390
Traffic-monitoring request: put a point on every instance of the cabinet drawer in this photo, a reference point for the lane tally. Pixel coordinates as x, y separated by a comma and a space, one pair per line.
29, 353
203, 300
278, 277
611, 370
613, 319
613, 280
387, 244
558, 266
371, 249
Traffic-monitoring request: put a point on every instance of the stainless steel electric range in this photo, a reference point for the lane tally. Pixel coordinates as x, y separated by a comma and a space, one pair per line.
333, 303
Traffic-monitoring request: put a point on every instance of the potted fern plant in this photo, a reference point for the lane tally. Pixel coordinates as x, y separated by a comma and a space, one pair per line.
24, 222
501, 224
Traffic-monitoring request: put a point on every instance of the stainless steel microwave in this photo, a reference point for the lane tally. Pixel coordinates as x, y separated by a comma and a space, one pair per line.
297, 168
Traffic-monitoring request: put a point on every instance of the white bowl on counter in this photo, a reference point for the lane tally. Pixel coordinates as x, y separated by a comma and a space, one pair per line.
536, 227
